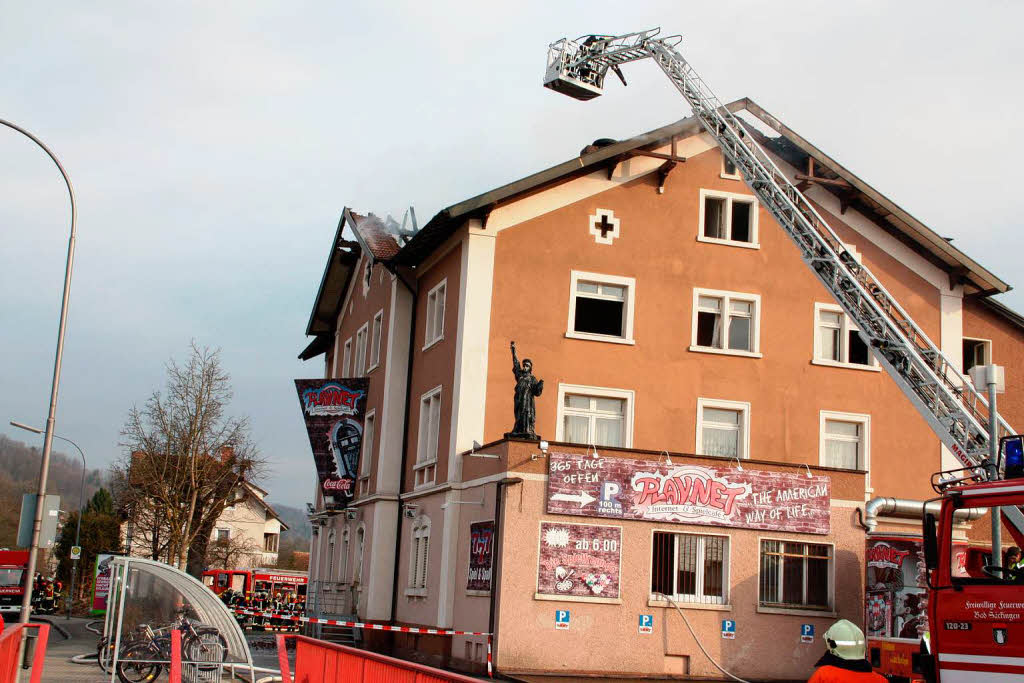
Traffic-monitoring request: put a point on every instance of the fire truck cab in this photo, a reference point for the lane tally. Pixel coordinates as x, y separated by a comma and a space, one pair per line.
976, 619
12, 579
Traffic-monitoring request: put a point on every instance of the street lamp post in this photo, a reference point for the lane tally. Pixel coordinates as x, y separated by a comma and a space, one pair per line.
81, 504
44, 468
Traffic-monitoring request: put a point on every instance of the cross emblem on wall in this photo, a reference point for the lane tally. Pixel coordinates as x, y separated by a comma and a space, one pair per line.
604, 226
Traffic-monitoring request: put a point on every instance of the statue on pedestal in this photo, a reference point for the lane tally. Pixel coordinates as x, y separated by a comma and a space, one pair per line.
527, 387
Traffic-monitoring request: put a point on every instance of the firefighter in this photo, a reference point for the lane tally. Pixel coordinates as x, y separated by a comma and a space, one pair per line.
844, 662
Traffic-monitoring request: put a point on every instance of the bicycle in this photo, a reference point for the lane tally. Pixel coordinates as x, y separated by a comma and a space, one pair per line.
147, 653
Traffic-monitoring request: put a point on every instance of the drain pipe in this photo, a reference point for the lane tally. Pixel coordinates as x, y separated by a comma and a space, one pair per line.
910, 509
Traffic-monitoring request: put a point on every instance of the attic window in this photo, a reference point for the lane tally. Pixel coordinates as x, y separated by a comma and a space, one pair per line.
729, 170
728, 218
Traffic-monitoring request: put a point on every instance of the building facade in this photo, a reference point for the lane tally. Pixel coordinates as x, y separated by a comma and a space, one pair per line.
686, 352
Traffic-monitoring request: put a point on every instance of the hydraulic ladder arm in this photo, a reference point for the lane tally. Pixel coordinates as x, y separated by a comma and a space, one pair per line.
952, 407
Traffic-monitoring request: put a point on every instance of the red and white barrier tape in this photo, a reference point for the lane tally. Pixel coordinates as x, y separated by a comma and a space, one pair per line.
490, 671
359, 624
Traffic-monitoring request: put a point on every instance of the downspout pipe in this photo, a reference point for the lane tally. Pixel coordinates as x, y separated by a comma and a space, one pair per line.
910, 509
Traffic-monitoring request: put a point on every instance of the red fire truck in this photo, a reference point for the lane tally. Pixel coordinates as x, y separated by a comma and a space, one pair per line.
251, 581
12, 579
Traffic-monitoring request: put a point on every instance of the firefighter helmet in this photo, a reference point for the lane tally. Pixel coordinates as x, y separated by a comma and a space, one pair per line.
845, 640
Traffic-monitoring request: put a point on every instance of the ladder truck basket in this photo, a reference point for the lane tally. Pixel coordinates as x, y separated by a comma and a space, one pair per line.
958, 477
565, 75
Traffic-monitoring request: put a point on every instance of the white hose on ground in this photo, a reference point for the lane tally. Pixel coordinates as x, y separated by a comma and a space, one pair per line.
699, 644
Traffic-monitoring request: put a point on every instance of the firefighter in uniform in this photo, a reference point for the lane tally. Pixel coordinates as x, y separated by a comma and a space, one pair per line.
845, 660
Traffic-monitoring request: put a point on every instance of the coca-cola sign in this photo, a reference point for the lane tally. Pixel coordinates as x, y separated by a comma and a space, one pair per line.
687, 493
334, 411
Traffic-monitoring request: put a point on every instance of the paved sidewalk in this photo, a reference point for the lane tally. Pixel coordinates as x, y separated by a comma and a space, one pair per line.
59, 651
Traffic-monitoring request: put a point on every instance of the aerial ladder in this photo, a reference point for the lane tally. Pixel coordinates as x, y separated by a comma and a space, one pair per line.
955, 410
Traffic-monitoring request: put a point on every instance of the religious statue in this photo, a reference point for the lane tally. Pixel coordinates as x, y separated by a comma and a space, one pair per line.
527, 387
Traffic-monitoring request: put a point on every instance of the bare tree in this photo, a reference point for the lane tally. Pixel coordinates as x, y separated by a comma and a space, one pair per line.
233, 552
185, 456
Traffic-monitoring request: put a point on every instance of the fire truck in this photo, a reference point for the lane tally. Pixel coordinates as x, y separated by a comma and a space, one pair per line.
12, 579
975, 607
249, 582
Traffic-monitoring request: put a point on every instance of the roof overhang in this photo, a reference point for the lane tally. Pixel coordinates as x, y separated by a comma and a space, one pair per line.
337, 274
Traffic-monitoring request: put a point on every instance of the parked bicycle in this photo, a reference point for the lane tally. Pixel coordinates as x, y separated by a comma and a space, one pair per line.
148, 651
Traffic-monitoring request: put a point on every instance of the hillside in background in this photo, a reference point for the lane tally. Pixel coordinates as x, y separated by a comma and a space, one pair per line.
19, 474
298, 525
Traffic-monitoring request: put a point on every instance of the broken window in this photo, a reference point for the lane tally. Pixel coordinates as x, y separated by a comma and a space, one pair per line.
975, 353
728, 217
726, 322
600, 307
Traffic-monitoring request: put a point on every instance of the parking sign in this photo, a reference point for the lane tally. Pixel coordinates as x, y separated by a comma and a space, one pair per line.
729, 629
646, 623
562, 619
806, 633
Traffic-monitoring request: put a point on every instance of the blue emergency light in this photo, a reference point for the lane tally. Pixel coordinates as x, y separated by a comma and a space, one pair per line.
1013, 456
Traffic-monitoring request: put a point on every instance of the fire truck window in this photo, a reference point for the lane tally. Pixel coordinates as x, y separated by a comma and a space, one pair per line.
10, 577
302, 589
222, 580
262, 585
238, 581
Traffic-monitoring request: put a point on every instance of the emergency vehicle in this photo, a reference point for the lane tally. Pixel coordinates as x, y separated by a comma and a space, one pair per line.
249, 582
12, 579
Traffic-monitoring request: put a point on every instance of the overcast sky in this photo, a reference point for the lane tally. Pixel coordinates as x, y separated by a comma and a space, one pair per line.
213, 146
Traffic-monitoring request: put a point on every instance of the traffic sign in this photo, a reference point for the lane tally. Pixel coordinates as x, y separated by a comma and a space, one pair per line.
76, 552
806, 633
646, 623
729, 629
562, 619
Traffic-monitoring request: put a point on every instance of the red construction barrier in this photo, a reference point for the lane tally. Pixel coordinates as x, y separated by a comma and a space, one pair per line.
174, 673
10, 641
317, 661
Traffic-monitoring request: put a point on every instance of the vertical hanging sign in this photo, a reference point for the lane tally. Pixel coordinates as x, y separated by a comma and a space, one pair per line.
481, 554
334, 411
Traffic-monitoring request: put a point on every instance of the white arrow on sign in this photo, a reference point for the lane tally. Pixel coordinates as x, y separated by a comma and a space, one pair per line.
583, 498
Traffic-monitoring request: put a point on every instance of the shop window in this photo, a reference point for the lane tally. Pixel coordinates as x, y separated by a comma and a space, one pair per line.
690, 568
837, 341
435, 314
726, 322
976, 352
795, 575
728, 218
723, 428
601, 307
378, 323
595, 416
844, 440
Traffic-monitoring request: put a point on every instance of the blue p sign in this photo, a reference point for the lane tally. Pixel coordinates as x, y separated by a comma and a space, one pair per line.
646, 623
729, 629
806, 633
562, 619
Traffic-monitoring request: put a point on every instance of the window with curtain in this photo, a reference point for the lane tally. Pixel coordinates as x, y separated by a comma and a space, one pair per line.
690, 567
795, 574
360, 360
837, 338
844, 444
728, 217
378, 323
369, 432
435, 314
596, 420
346, 364
723, 431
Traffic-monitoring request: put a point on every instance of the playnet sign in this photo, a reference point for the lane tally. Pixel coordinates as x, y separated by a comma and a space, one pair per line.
625, 488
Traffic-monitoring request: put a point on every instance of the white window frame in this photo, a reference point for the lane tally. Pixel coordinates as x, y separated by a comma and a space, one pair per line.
362, 337
345, 549
357, 566
987, 344
830, 610
419, 541
376, 331
864, 420
346, 364
366, 456
726, 298
846, 326
600, 392
367, 275
425, 469
436, 296
744, 409
216, 534
697, 600
629, 306
729, 197
728, 176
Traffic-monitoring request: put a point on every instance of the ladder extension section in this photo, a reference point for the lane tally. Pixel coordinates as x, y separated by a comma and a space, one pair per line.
953, 408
